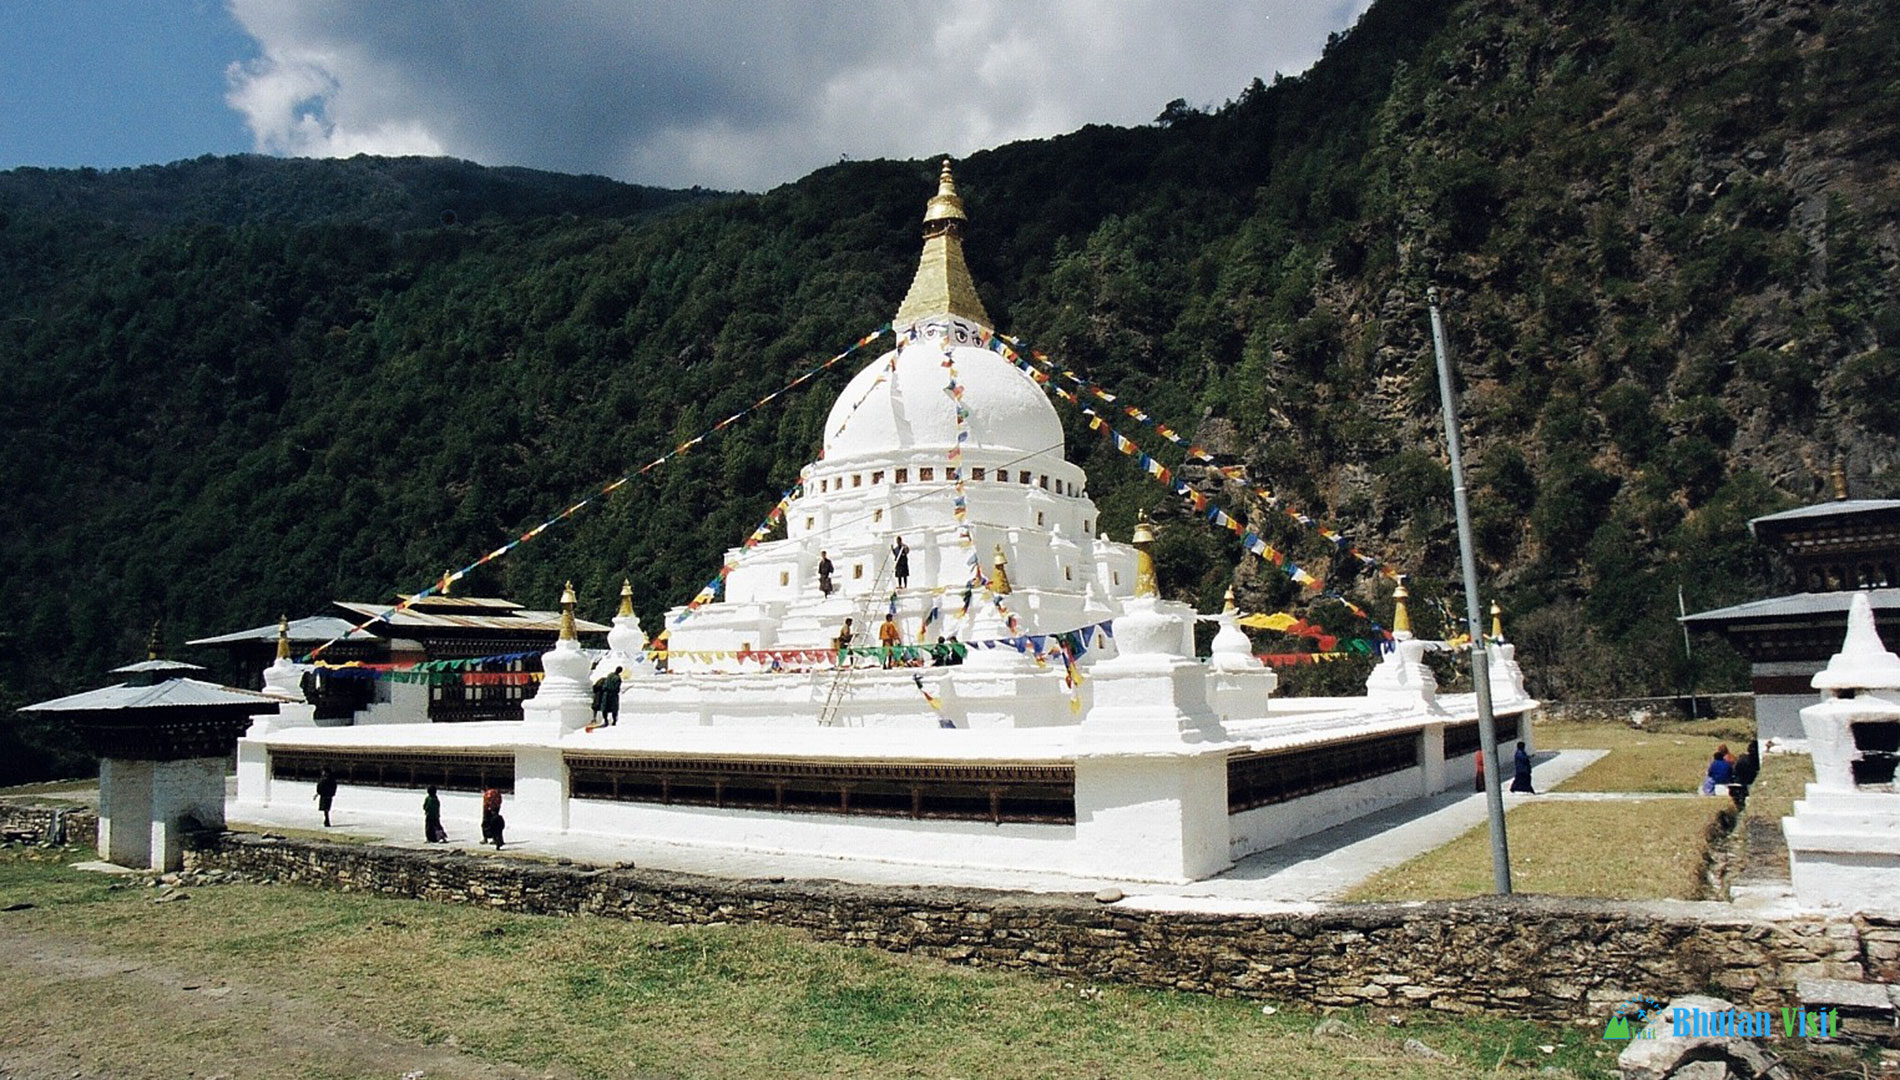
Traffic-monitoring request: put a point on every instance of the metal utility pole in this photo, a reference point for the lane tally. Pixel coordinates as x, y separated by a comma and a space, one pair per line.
1480, 648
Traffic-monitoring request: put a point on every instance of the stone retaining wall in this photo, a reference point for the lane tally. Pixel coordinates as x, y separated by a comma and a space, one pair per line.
48, 824
1740, 706
1541, 957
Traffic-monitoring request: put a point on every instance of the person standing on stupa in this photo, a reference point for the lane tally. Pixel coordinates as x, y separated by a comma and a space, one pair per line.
889, 637
825, 570
845, 634
900, 563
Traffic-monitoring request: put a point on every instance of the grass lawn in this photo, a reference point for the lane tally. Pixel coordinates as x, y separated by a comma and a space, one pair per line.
1637, 849
603, 998
1667, 759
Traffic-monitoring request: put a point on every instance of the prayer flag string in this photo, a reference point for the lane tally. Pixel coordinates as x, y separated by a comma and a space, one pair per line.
442, 584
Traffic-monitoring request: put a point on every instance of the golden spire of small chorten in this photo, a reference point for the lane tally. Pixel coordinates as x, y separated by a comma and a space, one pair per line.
1144, 539
943, 285
1838, 474
626, 597
999, 573
1497, 621
155, 644
283, 637
448, 579
568, 600
1401, 618
1227, 605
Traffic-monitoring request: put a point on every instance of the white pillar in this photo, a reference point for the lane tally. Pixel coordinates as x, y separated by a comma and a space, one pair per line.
125, 812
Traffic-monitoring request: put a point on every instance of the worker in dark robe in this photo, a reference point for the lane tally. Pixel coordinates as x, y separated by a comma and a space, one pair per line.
326, 794
900, 563
825, 570
1521, 771
432, 829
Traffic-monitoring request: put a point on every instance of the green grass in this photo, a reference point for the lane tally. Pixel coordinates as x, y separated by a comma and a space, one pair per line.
1670, 759
1642, 849
598, 997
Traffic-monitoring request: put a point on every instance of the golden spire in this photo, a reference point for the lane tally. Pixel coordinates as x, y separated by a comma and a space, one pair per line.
999, 574
1227, 606
1838, 474
568, 600
283, 637
626, 596
1144, 539
1497, 622
155, 645
942, 285
1401, 618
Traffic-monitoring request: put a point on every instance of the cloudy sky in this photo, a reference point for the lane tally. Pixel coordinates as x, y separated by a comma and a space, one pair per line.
721, 93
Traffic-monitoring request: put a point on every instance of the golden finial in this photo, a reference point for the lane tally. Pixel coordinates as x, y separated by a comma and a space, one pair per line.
448, 579
1401, 618
1227, 606
1497, 622
1144, 538
999, 573
283, 637
1838, 474
155, 645
942, 285
626, 596
568, 600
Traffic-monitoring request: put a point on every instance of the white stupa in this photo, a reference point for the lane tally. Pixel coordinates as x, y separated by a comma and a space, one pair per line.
940, 416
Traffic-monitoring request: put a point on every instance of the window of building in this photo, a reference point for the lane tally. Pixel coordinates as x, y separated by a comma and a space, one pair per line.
1045, 481
877, 477
878, 514
1117, 577
824, 485
857, 571
903, 476
976, 473
784, 577
857, 480
926, 473
1068, 573
1038, 517
810, 524
1002, 476
1022, 477
1088, 528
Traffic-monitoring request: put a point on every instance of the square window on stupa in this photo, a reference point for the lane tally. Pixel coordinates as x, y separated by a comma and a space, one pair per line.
877, 477
857, 571
1038, 517
1045, 483
1022, 477
878, 514
784, 577
926, 473
857, 480
824, 485
810, 524
1088, 528
976, 473
1068, 574
903, 476
1118, 577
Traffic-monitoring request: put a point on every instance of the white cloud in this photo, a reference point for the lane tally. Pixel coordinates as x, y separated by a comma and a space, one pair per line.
741, 93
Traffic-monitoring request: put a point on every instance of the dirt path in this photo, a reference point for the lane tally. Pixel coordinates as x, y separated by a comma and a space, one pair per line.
72, 1011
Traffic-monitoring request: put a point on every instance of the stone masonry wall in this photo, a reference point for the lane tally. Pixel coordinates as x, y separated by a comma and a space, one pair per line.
56, 825
1542, 957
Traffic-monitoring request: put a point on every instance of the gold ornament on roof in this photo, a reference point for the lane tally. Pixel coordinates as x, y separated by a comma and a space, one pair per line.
568, 600
283, 637
1144, 538
1227, 605
1497, 622
626, 596
1401, 618
999, 573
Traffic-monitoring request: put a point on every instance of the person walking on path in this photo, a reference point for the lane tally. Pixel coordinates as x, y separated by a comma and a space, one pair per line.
889, 637
326, 794
1521, 771
492, 821
607, 698
432, 829
900, 563
825, 570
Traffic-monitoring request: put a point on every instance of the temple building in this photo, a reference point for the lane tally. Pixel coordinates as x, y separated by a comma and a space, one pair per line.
1833, 551
1064, 724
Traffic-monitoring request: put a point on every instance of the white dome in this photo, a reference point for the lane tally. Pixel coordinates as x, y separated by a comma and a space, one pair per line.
910, 408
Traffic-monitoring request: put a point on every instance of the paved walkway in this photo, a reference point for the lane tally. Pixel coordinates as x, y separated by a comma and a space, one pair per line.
1293, 876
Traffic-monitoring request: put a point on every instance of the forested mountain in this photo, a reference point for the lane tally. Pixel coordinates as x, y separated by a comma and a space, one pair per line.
1666, 236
